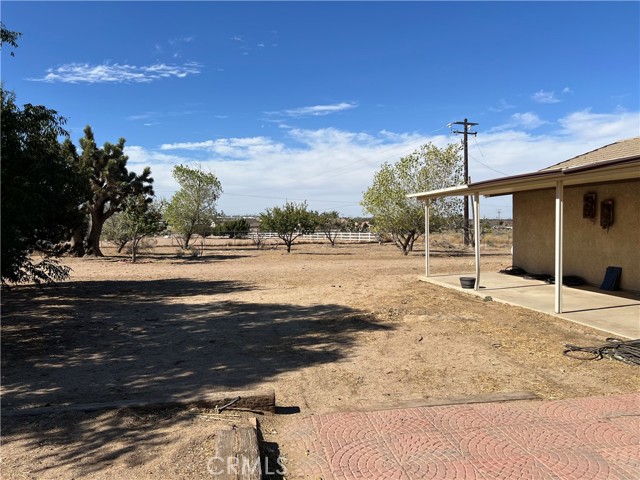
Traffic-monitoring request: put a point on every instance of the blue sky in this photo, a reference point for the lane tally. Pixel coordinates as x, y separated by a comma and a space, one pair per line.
305, 100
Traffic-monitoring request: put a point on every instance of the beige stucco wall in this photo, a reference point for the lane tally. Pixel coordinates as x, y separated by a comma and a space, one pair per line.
588, 248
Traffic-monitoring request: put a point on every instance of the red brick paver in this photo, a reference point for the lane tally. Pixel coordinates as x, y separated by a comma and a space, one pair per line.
583, 438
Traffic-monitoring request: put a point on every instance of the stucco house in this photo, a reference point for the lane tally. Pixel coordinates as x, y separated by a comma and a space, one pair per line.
577, 217
601, 218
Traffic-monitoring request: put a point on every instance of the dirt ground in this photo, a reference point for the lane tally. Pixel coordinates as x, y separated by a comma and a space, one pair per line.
348, 327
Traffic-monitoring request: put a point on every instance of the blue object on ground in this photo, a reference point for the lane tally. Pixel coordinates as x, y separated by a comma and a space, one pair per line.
611, 279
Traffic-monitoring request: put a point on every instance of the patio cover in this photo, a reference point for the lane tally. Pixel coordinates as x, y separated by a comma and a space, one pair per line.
601, 172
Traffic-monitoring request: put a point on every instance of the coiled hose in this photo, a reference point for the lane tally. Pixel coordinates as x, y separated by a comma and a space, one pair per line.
627, 351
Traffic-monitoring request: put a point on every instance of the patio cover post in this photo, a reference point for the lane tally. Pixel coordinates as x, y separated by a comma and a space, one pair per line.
426, 237
476, 235
558, 246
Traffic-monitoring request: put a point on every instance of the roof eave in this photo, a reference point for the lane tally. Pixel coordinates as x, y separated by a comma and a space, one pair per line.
622, 169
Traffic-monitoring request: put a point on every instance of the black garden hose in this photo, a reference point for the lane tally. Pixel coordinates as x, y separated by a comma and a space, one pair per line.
627, 351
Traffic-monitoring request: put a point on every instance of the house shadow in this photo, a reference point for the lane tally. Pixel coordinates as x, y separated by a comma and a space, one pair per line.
86, 342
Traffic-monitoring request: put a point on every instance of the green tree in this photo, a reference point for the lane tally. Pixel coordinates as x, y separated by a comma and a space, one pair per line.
7, 36
110, 184
330, 224
192, 209
140, 218
427, 168
289, 222
238, 228
114, 231
41, 192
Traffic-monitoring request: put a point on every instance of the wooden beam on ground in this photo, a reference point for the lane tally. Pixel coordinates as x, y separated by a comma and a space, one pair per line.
255, 400
237, 455
248, 453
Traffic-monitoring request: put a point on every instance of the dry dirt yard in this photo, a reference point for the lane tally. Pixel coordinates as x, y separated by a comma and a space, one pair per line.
349, 327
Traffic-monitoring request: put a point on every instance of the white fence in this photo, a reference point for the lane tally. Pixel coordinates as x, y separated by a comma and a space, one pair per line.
319, 236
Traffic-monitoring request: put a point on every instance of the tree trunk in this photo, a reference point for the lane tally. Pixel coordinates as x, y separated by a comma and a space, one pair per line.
400, 242
77, 241
414, 237
185, 241
134, 249
331, 238
93, 242
122, 245
404, 242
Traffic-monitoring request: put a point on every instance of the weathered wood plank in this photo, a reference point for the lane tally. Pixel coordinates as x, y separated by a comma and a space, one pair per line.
237, 455
248, 454
258, 400
223, 466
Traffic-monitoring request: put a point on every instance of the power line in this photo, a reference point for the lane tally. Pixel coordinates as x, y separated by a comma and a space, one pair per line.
484, 164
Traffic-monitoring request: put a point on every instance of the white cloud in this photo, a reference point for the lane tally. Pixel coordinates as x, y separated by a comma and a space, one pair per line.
231, 148
140, 155
315, 110
545, 97
527, 120
117, 73
156, 116
178, 40
589, 127
331, 168
328, 167
516, 151
331, 136
502, 106
320, 110
142, 116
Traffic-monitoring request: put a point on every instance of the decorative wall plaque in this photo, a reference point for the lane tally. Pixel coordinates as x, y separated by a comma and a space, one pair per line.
589, 206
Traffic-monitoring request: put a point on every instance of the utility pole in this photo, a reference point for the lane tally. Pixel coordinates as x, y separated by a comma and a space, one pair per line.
466, 132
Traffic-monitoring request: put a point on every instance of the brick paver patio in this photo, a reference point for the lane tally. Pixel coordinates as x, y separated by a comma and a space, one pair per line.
583, 438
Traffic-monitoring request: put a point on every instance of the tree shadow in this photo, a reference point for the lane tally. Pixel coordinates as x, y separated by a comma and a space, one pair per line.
320, 254
86, 342
208, 256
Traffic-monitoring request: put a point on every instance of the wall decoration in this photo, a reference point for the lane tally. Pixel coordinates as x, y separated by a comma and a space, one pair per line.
589, 206
606, 214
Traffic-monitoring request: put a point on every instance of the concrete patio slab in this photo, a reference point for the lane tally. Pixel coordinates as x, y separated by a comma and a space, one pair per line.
595, 438
615, 313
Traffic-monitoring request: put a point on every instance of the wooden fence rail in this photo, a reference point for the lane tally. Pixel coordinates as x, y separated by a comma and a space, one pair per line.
319, 236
